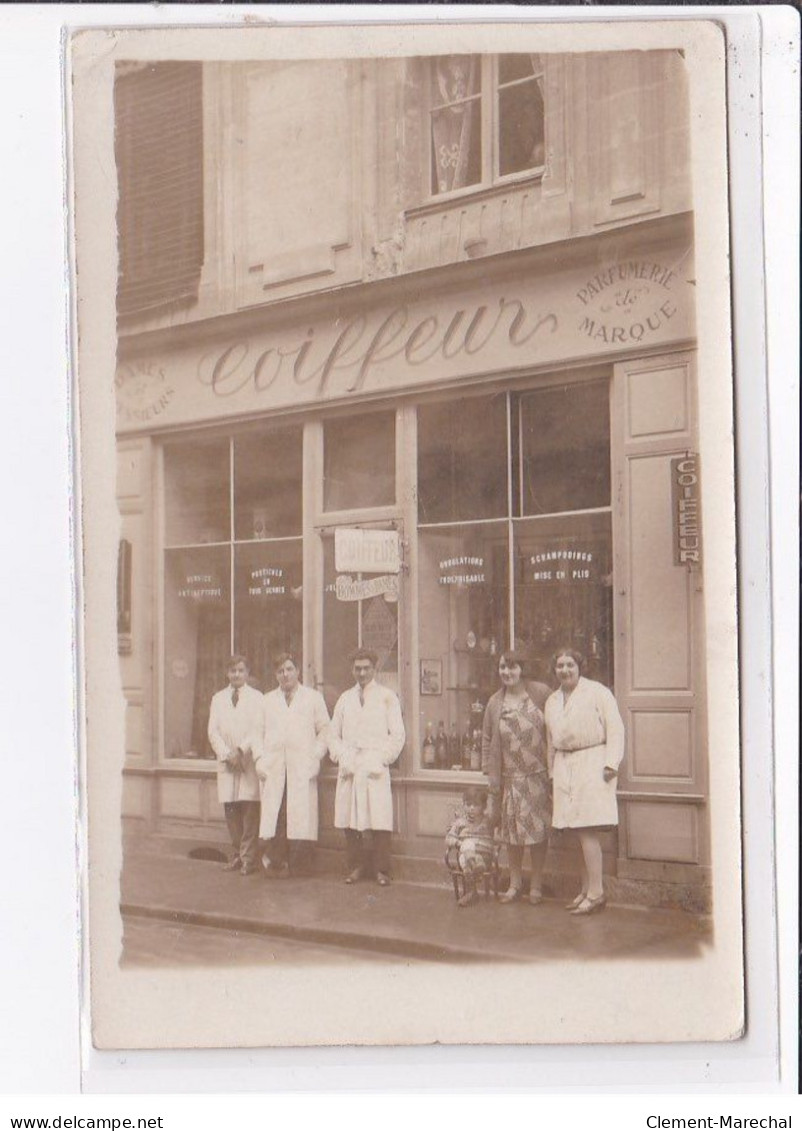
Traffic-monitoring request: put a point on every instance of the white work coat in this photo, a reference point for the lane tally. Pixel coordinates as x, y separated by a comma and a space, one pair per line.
365, 741
585, 734
293, 743
231, 727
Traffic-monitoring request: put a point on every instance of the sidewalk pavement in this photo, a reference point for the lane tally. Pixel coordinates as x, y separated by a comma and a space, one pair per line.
404, 920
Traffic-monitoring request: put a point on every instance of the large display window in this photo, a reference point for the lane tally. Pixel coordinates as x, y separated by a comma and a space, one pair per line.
232, 570
514, 549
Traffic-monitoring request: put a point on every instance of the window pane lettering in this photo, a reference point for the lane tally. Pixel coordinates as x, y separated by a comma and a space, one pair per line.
268, 604
197, 627
564, 591
463, 625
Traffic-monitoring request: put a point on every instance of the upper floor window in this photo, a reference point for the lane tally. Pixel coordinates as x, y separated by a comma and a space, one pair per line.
486, 119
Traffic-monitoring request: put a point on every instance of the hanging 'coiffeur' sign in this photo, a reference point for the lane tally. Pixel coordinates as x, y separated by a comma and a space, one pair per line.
366, 551
685, 510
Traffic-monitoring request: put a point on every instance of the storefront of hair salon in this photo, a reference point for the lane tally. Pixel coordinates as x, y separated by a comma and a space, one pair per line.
431, 471
434, 465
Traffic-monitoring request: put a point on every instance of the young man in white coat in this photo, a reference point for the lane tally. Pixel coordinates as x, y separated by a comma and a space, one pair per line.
294, 742
235, 728
367, 735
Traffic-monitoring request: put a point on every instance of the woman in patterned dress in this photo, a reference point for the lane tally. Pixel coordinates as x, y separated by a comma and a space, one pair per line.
585, 749
514, 759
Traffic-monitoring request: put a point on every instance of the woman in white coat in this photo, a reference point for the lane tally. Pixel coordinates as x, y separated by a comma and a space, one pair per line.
294, 742
585, 737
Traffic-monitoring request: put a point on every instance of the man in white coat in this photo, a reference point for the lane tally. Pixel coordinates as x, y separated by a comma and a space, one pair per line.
235, 727
367, 735
293, 744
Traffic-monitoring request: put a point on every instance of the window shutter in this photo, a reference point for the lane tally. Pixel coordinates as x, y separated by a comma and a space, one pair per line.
159, 151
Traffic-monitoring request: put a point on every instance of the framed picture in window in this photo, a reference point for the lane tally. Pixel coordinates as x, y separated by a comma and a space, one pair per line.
431, 677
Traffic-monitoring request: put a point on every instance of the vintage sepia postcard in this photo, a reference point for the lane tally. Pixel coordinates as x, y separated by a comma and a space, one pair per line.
408, 534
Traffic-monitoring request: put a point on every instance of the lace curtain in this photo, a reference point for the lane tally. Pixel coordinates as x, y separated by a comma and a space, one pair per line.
455, 124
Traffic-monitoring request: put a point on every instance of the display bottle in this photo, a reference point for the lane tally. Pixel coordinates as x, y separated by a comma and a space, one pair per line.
441, 747
467, 744
476, 750
493, 646
454, 758
428, 749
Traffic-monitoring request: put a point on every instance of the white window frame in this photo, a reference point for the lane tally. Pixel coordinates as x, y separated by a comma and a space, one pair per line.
489, 118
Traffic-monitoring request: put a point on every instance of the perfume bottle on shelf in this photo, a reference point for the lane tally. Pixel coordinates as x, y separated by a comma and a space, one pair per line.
428, 748
467, 745
441, 747
476, 749
454, 759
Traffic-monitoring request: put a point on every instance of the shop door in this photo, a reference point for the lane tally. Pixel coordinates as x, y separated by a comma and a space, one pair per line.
361, 607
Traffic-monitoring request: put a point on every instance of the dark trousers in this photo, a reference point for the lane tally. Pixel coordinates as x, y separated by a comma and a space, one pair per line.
242, 818
281, 850
369, 851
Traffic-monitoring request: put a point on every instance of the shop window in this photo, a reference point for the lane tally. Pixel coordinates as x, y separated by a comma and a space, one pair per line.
564, 591
565, 448
268, 471
487, 119
158, 145
197, 493
476, 539
224, 595
268, 604
359, 461
463, 611
462, 460
197, 643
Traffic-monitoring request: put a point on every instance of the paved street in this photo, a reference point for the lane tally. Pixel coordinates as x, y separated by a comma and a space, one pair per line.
154, 942
287, 921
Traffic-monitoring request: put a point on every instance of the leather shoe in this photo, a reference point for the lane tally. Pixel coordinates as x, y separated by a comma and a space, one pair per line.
233, 865
590, 906
511, 895
383, 880
247, 869
354, 877
275, 871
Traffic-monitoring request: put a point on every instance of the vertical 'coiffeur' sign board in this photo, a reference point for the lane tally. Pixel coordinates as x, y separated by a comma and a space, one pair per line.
685, 510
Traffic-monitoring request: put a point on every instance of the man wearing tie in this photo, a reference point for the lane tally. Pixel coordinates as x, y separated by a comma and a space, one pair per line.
367, 735
235, 726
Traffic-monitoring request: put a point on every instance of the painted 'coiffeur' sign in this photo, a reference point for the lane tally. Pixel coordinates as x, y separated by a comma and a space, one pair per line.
530, 319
